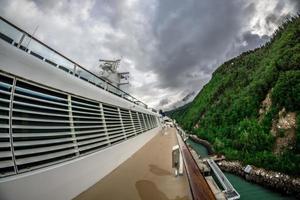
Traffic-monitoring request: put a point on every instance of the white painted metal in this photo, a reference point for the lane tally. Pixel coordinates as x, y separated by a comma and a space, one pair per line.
43, 184
35, 70
55, 127
52, 126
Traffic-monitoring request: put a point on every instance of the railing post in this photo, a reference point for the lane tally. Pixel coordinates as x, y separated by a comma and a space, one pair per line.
138, 117
104, 123
132, 122
21, 40
151, 121
105, 86
145, 122
72, 125
121, 120
74, 69
11, 139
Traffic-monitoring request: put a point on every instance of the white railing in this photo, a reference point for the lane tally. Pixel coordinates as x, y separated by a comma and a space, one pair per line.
230, 192
31, 45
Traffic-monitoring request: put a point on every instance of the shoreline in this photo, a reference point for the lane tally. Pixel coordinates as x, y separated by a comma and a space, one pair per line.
205, 143
276, 181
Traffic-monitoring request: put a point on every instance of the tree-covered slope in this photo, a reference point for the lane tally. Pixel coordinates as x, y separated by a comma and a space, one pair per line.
242, 108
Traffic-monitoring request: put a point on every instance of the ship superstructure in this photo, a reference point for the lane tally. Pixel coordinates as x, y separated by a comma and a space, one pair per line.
64, 128
59, 119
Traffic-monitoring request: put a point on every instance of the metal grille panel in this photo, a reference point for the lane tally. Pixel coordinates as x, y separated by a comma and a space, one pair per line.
32, 127
127, 123
6, 156
40, 126
114, 127
88, 125
142, 120
137, 123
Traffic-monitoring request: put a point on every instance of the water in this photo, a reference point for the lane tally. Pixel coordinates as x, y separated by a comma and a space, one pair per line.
247, 190
200, 149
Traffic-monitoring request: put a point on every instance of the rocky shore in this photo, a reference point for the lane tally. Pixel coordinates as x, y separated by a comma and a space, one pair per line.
205, 143
273, 180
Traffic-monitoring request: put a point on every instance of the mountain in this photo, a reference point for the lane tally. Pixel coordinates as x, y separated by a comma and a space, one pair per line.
185, 100
250, 109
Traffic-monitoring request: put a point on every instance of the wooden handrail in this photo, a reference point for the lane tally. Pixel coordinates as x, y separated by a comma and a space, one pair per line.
198, 185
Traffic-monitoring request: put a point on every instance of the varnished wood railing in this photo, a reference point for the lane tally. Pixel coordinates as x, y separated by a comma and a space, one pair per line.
198, 185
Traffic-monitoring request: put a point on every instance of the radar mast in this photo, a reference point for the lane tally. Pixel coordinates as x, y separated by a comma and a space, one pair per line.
109, 72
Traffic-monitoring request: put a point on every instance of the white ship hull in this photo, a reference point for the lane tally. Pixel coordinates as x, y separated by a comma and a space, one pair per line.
67, 180
42, 159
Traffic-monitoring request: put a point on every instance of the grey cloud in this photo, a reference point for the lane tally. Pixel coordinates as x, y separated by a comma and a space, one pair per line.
248, 41
163, 102
188, 96
191, 36
110, 11
296, 4
46, 5
277, 17
180, 42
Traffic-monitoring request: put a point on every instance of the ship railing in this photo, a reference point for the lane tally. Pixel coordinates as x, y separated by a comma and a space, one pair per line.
198, 185
33, 46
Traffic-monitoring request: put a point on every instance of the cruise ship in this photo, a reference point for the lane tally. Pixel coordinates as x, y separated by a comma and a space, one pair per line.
68, 133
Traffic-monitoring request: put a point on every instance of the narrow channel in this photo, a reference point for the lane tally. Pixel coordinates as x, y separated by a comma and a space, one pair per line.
247, 190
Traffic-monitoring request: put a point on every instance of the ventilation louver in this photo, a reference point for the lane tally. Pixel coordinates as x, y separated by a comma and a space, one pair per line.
41, 126
127, 123
6, 157
114, 127
88, 125
137, 123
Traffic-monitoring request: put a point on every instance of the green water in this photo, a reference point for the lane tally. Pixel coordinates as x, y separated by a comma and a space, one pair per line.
200, 149
247, 190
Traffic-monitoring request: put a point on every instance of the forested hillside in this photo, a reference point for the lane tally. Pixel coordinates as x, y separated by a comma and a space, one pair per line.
250, 109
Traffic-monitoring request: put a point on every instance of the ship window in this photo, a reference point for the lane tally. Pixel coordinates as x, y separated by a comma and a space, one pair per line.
51, 62
10, 31
6, 38
36, 55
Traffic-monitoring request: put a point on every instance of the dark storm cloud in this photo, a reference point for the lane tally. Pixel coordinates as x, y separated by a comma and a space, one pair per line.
188, 96
45, 5
110, 11
248, 41
197, 36
276, 18
296, 4
194, 36
163, 102
170, 47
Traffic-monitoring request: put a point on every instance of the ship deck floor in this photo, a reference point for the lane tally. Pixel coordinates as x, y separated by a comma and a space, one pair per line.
146, 175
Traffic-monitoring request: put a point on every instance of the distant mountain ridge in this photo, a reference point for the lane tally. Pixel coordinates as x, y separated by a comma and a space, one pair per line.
182, 102
250, 109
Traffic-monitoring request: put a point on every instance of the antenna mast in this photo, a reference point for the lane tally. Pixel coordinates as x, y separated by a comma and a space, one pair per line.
109, 72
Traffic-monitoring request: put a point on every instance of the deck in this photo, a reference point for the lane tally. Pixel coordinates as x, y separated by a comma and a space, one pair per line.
147, 175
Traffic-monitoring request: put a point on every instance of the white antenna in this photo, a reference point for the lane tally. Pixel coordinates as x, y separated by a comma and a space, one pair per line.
111, 74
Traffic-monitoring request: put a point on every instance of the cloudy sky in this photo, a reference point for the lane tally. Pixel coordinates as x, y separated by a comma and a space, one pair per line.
170, 47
